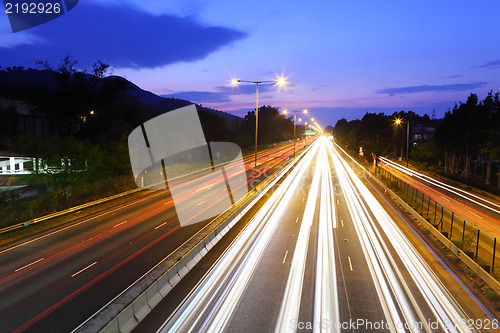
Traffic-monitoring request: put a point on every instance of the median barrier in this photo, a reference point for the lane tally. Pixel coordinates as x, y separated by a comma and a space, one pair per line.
153, 295
125, 320
141, 307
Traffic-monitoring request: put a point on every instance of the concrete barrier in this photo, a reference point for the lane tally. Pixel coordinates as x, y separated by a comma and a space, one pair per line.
153, 295
126, 320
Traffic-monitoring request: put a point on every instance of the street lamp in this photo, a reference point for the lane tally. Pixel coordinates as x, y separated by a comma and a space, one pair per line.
294, 125
311, 122
398, 121
280, 81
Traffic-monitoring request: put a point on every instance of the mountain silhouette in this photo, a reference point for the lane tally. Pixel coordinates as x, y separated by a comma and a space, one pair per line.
18, 81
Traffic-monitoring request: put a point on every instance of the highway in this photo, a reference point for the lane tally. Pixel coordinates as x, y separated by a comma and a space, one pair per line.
478, 211
54, 280
323, 254
484, 211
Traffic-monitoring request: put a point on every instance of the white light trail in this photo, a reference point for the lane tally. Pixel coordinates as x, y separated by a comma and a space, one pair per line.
445, 308
383, 277
461, 193
290, 304
326, 307
210, 305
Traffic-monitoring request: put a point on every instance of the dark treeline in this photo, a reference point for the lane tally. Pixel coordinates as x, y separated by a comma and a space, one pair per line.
379, 134
468, 134
273, 127
471, 131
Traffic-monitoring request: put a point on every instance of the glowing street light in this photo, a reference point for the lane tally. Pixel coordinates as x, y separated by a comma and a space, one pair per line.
398, 121
280, 81
285, 111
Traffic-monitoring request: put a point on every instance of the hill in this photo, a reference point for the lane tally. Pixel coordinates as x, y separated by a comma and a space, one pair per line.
22, 84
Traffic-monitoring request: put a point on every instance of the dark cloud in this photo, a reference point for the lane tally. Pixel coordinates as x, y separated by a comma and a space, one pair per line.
246, 88
319, 87
201, 96
490, 65
222, 93
426, 88
122, 36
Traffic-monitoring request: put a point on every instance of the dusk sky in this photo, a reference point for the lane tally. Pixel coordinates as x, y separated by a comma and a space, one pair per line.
341, 58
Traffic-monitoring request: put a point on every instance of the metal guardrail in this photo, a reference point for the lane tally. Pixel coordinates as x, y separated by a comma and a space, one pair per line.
67, 211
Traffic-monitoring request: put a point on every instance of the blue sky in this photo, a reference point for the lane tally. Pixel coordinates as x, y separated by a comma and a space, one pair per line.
341, 58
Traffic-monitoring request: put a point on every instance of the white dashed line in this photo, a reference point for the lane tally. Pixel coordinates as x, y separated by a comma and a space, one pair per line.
81, 270
284, 259
161, 225
119, 224
28, 265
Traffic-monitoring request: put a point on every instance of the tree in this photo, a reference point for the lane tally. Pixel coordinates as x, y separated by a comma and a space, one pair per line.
490, 143
9, 124
214, 127
273, 126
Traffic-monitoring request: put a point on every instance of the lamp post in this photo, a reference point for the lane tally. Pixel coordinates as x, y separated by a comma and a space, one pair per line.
305, 133
399, 121
294, 125
280, 81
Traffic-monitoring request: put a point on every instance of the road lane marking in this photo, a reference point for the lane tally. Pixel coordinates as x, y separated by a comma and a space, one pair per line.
161, 225
342, 222
119, 224
200, 203
350, 264
81, 270
297, 219
284, 259
28, 265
